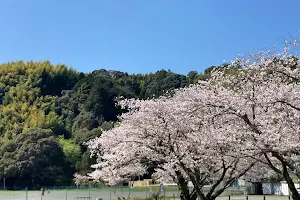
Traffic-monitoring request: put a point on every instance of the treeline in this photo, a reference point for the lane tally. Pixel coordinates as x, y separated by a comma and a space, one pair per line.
48, 112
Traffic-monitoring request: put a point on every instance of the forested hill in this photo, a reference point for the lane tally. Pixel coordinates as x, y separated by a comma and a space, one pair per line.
47, 112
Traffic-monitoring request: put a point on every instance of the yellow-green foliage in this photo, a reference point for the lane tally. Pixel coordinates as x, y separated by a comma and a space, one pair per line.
22, 105
71, 150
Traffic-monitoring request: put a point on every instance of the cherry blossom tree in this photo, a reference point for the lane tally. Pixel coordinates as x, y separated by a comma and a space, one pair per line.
213, 132
177, 134
261, 102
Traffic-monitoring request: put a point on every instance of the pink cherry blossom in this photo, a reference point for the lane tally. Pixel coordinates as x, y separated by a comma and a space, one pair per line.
244, 122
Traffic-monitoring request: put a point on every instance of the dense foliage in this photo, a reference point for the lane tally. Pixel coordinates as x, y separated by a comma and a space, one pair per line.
48, 112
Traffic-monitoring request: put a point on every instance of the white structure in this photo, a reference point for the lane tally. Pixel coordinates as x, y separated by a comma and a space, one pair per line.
278, 188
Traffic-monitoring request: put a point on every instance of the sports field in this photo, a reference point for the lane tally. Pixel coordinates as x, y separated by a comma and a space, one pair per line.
73, 194
107, 195
112, 193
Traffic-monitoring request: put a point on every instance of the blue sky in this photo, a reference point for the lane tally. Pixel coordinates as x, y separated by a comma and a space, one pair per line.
141, 36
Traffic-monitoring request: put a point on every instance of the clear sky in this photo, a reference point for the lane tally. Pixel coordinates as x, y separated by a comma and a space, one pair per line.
142, 36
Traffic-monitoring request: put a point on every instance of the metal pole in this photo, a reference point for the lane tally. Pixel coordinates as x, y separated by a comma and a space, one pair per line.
129, 191
229, 197
109, 192
264, 197
67, 193
26, 193
4, 183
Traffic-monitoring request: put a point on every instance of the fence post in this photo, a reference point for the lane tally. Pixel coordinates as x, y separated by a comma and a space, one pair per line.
247, 197
229, 197
27, 193
66, 193
128, 191
264, 197
109, 192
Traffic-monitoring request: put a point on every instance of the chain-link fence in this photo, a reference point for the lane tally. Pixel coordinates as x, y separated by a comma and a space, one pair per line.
87, 193
117, 193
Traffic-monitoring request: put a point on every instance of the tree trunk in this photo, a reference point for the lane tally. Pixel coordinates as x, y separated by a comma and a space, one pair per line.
190, 197
205, 198
185, 193
286, 176
295, 194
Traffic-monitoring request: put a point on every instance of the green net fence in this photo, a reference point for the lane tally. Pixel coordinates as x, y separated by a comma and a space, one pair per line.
118, 193
87, 193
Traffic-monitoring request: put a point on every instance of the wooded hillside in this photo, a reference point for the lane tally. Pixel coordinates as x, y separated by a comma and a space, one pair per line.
47, 112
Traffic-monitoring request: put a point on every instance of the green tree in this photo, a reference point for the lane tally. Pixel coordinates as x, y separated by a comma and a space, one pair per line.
71, 151
34, 158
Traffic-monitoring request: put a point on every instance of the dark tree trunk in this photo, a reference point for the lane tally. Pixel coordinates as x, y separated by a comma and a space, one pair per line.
295, 194
205, 198
190, 197
286, 176
185, 193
